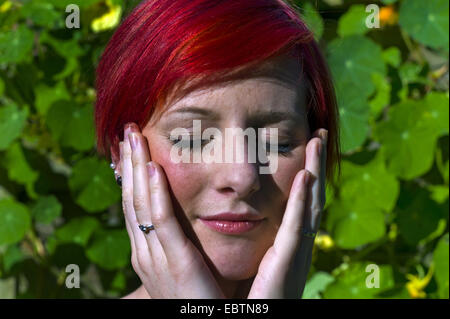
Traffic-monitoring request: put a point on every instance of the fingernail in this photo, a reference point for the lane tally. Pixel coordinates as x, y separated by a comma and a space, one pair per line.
306, 177
133, 141
324, 136
130, 128
151, 169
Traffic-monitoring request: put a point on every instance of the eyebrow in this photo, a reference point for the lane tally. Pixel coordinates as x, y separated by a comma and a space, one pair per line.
256, 120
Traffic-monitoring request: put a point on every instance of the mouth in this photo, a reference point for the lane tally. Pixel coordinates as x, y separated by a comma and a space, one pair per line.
231, 223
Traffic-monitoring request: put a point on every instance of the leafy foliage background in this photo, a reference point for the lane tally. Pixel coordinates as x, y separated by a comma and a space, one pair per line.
59, 203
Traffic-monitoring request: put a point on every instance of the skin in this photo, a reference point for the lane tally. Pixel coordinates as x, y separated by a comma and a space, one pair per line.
183, 258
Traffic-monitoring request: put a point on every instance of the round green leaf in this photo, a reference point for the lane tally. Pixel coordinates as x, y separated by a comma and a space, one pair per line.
12, 122
408, 139
110, 249
417, 215
354, 118
93, 185
353, 21
392, 56
426, 21
77, 230
351, 283
354, 71
371, 182
72, 125
15, 45
317, 284
45, 96
356, 222
47, 209
14, 221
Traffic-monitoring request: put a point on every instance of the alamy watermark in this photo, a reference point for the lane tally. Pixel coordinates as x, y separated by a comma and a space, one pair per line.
73, 19
193, 151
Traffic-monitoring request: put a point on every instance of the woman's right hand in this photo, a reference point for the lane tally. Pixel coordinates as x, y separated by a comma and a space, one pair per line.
166, 261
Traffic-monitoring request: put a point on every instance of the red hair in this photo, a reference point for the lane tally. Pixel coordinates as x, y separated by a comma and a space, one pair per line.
163, 43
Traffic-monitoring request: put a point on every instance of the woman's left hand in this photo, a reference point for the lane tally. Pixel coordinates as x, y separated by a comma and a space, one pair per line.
284, 268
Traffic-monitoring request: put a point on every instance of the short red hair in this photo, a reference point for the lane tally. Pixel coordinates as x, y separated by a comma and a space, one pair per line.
163, 43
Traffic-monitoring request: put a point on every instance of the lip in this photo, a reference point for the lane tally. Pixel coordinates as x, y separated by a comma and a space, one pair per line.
231, 223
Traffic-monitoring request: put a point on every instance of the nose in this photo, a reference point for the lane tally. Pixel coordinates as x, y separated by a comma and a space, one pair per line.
240, 176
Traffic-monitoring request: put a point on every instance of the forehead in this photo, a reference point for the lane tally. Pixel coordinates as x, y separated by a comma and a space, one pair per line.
275, 85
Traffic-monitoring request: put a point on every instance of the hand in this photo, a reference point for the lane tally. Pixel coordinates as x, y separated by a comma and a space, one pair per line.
284, 268
165, 260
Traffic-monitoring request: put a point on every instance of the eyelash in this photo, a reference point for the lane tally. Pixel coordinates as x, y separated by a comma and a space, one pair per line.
282, 149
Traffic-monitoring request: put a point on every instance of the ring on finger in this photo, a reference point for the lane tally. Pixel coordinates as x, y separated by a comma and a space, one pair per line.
309, 234
146, 228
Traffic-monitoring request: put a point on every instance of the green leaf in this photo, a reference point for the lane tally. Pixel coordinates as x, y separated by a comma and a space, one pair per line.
15, 45
351, 283
93, 185
317, 284
46, 96
392, 56
353, 223
43, 14
382, 97
353, 21
417, 216
77, 230
426, 21
313, 20
14, 221
72, 125
47, 209
2, 87
110, 249
353, 71
19, 170
12, 122
354, 118
408, 139
370, 182
12, 256
409, 72
437, 112
441, 272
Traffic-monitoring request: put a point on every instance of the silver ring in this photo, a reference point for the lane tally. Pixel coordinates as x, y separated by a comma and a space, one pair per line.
146, 228
309, 234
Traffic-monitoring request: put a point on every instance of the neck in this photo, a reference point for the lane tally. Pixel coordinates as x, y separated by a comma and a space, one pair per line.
235, 289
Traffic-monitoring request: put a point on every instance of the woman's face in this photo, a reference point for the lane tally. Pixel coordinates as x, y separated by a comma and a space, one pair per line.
202, 189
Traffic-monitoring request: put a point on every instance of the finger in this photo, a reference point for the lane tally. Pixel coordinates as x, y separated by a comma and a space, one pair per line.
167, 228
289, 234
141, 192
127, 222
314, 164
140, 243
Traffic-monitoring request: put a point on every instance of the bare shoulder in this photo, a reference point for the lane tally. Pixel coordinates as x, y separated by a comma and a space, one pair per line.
139, 293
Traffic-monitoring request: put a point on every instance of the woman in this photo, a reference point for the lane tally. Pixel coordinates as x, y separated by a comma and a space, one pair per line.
217, 229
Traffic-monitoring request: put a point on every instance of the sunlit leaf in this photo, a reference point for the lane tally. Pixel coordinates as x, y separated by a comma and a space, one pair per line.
426, 21
77, 230
12, 122
354, 71
441, 273
352, 282
353, 21
317, 284
14, 221
356, 222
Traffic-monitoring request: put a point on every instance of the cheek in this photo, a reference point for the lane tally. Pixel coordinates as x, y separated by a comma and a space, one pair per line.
184, 179
288, 167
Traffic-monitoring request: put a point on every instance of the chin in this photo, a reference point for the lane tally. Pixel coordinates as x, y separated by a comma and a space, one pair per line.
233, 258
